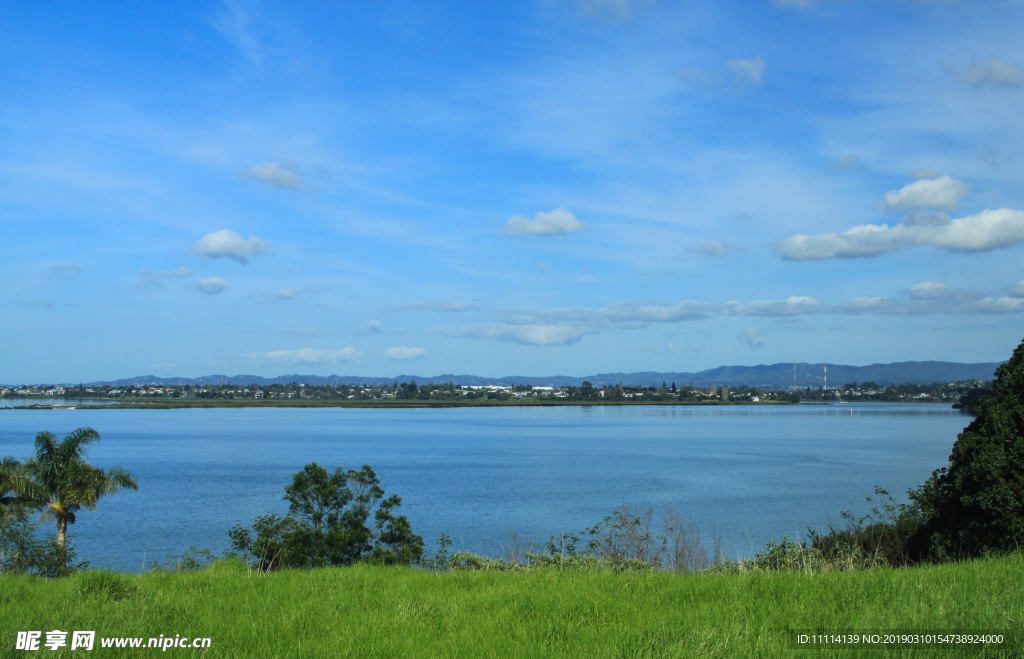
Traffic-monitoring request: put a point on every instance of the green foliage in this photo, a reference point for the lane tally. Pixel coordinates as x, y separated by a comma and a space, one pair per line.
192, 560
879, 539
22, 551
976, 503
334, 518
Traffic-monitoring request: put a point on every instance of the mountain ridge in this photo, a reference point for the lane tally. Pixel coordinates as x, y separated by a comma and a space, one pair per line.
775, 376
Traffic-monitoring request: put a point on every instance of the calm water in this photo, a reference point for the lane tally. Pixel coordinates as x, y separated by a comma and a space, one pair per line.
477, 474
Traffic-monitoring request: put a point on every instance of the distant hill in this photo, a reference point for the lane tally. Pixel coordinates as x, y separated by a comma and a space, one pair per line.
771, 376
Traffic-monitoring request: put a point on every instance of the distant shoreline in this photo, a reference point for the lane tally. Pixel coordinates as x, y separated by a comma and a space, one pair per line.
409, 404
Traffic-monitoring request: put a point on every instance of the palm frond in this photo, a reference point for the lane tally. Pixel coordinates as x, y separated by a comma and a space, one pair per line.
75, 445
118, 478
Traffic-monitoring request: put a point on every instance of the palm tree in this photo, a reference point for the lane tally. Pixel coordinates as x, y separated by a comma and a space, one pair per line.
61, 481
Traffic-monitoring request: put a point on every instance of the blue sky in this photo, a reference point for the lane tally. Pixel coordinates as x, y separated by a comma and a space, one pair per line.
536, 188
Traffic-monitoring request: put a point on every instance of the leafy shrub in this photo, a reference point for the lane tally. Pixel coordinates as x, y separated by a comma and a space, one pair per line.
192, 560
23, 552
881, 538
329, 523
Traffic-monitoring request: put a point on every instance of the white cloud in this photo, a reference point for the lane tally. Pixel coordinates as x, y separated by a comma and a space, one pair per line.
800, 4
404, 353
373, 326
308, 356
991, 72
210, 286
997, 305
942, 192
448, 305
290, 293
228, 244
929, 290
1017, 290
986, 231
155, 279
281, 175
714, 248
752, 338
846, 162
747, 71
1000, 305
559, 221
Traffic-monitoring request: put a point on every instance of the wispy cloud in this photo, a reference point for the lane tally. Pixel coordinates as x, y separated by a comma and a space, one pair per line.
308, 356
373, 326
616, 10
986, 231
281, 175
1017, 290
567, 326
63, 268
46, 304
555, 334
404, 353
557, 222
447, 305
210, 286
752, 338
846, 162
235, 21
747, 72
228, 244
991, 72
155, 278
291, 293
796, 305
715, 248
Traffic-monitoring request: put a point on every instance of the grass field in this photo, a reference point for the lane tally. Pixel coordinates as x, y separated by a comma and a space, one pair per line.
370, 611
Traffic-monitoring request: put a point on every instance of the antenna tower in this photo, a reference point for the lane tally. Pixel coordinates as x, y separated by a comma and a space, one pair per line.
826, 377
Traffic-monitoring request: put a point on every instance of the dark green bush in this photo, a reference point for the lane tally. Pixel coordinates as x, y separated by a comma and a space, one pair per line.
334, 519
976, 504
22, 551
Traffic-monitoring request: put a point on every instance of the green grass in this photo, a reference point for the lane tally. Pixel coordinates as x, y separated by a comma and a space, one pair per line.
370, 611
